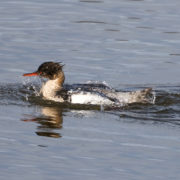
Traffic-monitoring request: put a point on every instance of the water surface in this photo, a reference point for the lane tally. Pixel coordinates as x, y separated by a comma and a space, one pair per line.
129, 44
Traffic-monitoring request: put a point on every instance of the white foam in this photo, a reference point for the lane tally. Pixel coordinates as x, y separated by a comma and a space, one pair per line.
89, 98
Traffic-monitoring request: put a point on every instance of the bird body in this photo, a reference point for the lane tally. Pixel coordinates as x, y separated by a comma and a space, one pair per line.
96, 94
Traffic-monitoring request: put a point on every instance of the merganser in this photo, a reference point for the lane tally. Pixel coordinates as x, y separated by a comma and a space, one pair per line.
96, 94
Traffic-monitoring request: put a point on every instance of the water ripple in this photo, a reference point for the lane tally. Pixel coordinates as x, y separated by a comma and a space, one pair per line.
164, 110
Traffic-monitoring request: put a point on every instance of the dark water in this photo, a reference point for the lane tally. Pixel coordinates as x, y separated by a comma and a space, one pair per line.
129, 44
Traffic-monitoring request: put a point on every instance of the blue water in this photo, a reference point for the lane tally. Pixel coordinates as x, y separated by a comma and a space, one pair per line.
128, 44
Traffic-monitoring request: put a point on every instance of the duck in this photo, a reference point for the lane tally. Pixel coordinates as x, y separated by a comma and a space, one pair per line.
54, 89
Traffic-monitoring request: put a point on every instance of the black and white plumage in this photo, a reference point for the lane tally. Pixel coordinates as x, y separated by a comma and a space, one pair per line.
97, 94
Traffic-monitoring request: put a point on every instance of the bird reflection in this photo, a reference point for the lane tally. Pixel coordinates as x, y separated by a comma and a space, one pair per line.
50, 119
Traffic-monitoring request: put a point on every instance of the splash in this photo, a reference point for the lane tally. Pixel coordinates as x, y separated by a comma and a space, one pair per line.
32, 87
161, 100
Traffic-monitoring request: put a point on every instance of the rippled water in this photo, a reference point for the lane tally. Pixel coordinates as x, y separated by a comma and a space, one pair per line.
130, 45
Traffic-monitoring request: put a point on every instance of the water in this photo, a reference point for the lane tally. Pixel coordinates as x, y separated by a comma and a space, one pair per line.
129, 44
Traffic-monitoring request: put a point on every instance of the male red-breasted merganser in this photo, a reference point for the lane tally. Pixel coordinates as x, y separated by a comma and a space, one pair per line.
97, 94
